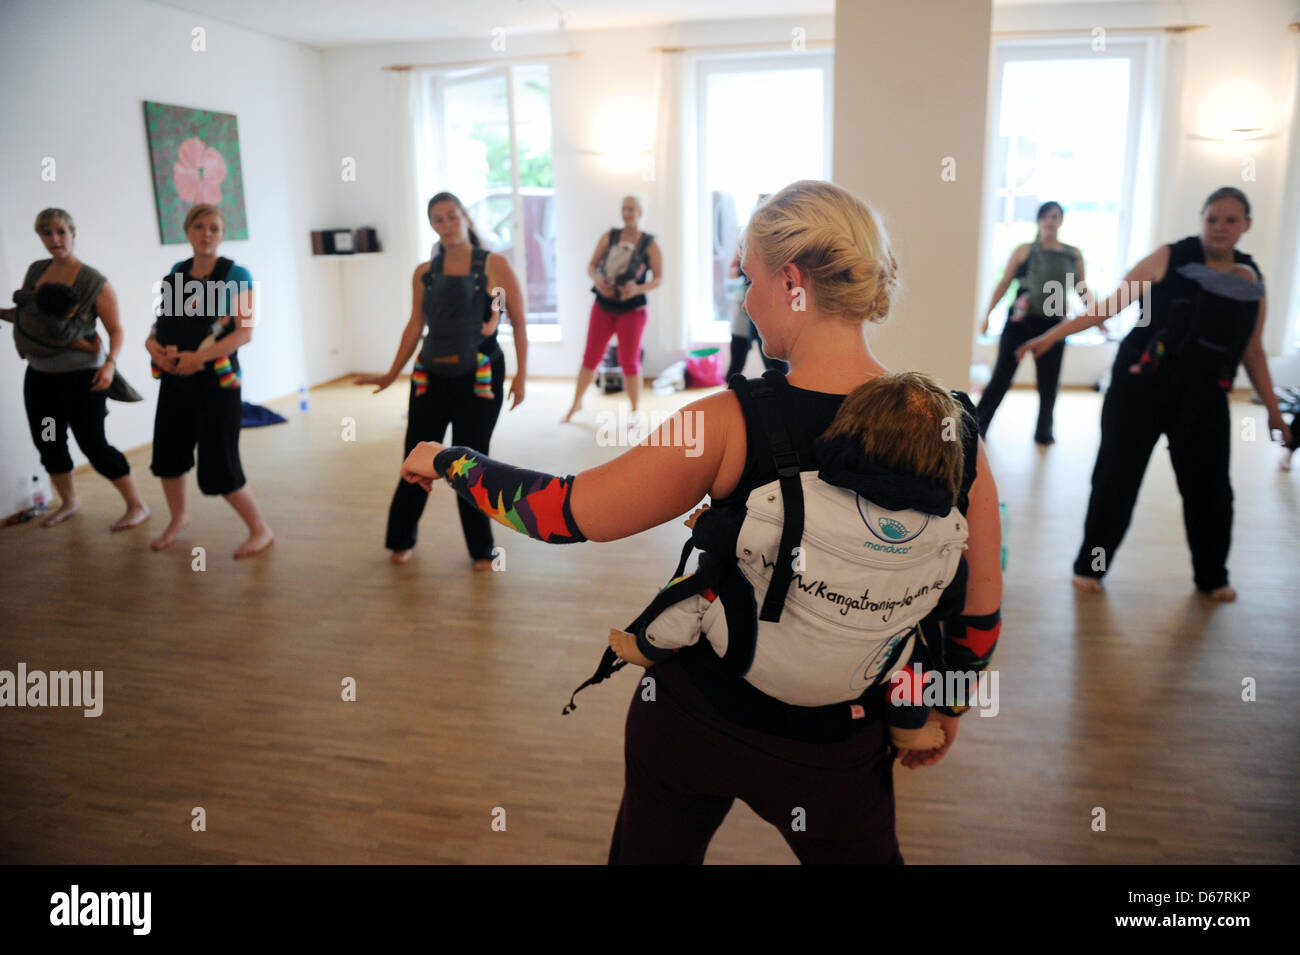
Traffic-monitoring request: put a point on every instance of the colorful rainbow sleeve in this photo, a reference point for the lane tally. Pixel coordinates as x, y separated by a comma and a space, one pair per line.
968, 645
529, 502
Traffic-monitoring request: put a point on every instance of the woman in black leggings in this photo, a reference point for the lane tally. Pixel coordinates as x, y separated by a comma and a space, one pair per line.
1046, 269
461, 275
702, 742
1202, 315
68, 391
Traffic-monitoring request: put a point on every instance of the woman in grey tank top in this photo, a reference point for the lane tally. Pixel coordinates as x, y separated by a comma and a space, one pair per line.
1046, 269
69, 378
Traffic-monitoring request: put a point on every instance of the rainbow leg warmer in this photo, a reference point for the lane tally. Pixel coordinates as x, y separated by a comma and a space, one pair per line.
483, 377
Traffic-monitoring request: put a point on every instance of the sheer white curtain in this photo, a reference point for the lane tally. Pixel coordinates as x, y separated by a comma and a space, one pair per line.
407, 243
675, 210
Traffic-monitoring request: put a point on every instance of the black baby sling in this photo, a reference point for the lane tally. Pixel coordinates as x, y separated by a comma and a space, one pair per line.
455, 308
869, 605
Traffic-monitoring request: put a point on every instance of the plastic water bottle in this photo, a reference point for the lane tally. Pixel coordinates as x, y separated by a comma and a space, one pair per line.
39, 503
1004, 518
302, 398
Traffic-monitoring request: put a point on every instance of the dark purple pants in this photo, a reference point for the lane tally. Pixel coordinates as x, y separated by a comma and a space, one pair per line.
686, 765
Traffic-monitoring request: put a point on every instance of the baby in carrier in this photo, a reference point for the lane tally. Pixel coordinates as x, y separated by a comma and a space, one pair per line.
907, 429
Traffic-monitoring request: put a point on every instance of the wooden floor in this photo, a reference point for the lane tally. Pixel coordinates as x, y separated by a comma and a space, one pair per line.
222, 687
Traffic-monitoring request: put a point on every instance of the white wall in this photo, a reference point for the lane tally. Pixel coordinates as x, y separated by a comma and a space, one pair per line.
1240, 71
615, 77
76, 74
910, 87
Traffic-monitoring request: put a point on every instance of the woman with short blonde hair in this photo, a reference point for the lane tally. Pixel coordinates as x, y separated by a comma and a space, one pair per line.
627, 263
200, 401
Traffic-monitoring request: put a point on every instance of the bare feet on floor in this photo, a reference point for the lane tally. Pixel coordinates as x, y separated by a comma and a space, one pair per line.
572, 411
1088, 585
400, 556
257, 542
133, 517
483, 563
1222, 595
164, 540
66, 510
1285, 464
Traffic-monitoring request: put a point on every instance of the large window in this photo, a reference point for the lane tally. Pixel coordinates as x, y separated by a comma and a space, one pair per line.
1067, 128
739, 100
490, 142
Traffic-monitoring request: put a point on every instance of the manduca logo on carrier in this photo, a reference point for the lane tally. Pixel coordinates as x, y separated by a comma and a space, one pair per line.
102, 908
887, 528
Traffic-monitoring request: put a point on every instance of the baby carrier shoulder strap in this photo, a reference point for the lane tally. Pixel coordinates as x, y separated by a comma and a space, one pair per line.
758, 397
730, 587
609, 661
478, 267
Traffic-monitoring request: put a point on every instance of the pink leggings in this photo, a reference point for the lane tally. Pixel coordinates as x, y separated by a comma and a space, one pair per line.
603, 325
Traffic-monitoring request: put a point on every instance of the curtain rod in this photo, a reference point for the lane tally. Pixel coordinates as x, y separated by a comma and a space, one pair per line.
463, 64
737, 46
1182, 28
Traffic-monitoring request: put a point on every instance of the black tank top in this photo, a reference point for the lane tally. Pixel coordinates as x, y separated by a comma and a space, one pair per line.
1169, 315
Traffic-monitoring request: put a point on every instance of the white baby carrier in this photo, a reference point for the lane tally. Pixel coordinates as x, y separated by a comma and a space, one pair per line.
820, 591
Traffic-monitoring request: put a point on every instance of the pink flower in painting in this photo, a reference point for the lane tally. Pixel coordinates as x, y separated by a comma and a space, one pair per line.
199, 172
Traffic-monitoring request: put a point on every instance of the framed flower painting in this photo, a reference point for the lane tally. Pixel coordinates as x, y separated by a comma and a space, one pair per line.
195, 158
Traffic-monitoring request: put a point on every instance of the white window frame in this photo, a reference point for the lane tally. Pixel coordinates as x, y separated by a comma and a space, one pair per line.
436, 84
1139, 160
700, 298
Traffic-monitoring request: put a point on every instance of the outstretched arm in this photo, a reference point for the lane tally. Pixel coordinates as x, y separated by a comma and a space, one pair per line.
698, 451
1140, 278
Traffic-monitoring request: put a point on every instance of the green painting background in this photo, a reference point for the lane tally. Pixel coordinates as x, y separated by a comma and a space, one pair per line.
168, 127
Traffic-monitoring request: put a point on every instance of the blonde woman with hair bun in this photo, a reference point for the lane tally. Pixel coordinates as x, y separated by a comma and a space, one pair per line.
821, 265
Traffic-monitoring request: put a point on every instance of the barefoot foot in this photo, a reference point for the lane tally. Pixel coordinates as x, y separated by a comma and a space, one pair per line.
133, 516
1285, 463
164, 540
929, 736
257, 542
1222, 595
483, 563
401, 556
66, 510
572, 411
1088, 585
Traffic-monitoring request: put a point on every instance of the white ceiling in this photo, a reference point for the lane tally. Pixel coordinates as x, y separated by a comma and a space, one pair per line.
327, 23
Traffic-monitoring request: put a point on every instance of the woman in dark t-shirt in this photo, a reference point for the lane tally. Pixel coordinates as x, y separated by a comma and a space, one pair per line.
1202, 315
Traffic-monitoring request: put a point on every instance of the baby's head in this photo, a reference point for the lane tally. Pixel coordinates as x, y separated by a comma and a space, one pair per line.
908, 423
